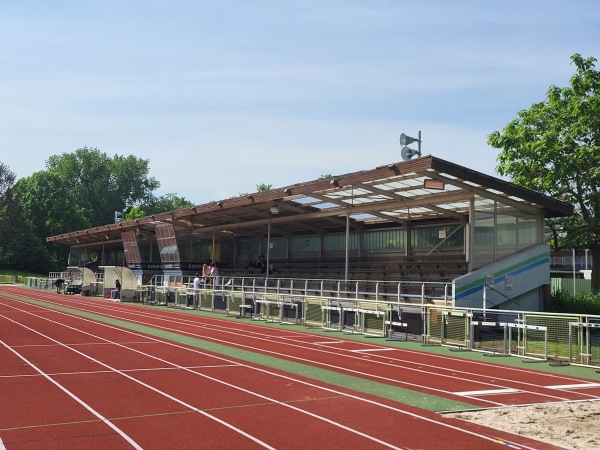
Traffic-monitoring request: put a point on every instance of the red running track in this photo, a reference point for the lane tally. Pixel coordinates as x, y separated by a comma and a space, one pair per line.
72, 382
481, 384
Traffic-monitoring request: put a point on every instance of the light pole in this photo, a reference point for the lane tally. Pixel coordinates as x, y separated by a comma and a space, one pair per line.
574, 279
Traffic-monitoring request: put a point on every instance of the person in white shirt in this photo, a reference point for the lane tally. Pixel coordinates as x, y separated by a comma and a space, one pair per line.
214, 273
197, 282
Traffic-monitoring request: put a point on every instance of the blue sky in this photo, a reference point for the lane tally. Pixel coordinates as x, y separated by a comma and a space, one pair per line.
222, 96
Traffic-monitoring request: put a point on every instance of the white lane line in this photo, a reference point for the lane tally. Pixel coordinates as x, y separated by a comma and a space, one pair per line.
334, 391
141, 369
369, 350
145, 315
120, 372
488, 392
110, 312
82, 343
140, 321
279, 354
574, 386
74, 397
264, 397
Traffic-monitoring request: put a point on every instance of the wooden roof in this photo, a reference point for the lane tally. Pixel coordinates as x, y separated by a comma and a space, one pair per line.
401, 193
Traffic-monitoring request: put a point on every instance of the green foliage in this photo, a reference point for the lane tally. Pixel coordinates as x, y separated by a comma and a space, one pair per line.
18, 276
263, 187
554, 147
135, 213
582, 303
102, 185
53, 214
20, 248
26, 252
167, 202
7, 180
77, 190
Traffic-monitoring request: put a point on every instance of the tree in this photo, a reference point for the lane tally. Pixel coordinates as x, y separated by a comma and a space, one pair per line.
50, 214
20, 248
7, 180
77, 190
102, 185
135, 213
262, 187
554, 147
50, 208
164, 203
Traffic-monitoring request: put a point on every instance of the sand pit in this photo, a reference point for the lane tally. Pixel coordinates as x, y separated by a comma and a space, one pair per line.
573, 425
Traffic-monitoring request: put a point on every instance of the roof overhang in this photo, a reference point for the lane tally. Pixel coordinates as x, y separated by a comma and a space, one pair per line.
422, 190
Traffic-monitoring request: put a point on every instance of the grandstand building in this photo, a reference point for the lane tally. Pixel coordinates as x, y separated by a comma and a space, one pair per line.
424, 227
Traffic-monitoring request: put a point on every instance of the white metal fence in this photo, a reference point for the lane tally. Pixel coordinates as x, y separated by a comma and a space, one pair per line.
380, 310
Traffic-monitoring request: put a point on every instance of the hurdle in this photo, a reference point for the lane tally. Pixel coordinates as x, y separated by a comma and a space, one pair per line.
372, 318
522, 341
312, 315
331, 317
583, 336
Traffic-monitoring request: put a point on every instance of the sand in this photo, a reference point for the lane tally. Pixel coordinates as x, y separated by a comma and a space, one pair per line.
573, 425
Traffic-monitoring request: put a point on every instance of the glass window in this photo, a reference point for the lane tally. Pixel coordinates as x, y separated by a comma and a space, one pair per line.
306, 246
337, 242
393, 239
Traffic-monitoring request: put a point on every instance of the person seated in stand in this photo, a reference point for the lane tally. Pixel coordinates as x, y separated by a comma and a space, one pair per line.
59, 283
263, 266
252, 264
258, 263
116, 293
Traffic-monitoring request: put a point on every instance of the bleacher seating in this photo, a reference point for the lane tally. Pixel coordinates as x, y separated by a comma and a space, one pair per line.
372, 278
442, 268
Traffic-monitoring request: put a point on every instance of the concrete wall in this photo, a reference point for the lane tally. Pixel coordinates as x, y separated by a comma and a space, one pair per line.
515, 282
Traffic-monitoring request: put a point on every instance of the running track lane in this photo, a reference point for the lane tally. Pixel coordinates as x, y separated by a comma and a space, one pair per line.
449, 377
273, 408
483, 384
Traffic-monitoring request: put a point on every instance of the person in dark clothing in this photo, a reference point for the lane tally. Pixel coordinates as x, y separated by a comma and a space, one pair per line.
59, 283
116, 292
259, 264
